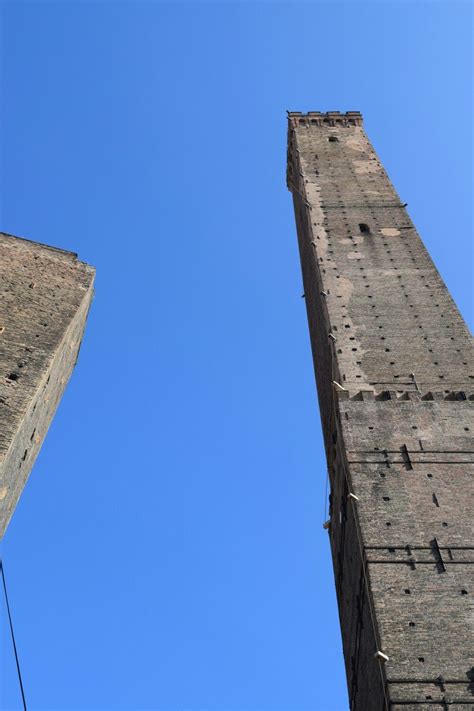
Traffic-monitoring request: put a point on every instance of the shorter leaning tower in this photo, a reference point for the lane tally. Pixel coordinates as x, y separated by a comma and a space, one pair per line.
394, 368
45, 297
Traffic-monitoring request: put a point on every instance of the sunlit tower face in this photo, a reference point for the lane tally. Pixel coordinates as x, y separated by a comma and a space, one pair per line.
45, 299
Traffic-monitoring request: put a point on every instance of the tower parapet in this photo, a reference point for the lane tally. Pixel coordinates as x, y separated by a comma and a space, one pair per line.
325, 118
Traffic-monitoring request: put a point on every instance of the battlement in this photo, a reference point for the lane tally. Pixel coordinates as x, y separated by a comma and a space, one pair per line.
327, 118
397, 395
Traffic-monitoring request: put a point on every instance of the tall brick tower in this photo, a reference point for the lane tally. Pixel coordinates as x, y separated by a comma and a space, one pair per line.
394, 371
45, 297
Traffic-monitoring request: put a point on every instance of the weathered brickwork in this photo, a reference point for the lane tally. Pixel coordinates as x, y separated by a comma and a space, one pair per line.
394, 370
45, 297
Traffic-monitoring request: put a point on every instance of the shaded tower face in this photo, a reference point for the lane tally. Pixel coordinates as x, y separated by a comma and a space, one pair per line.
45, 297
394, 369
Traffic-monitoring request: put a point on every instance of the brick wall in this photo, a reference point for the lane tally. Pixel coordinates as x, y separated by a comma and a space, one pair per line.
394, 372
45, 297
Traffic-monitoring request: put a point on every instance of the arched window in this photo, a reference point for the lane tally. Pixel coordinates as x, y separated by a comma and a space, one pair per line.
364, 228
333, 139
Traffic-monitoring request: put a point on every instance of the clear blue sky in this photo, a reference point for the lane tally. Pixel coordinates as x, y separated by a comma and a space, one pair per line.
168, 552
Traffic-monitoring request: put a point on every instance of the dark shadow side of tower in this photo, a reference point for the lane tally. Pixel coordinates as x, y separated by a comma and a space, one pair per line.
394, 369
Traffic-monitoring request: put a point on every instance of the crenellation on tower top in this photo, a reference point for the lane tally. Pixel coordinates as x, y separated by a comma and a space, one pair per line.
325, 118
